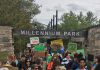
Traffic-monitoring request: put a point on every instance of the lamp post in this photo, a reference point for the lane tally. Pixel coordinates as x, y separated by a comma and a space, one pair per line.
56, 19
53, 21
35, 26
51, 24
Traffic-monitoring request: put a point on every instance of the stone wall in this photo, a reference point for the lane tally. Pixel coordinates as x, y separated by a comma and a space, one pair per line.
6, 39
94, 40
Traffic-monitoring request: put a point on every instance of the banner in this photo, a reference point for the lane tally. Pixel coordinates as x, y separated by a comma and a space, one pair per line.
34, 40
72, 47
58, 42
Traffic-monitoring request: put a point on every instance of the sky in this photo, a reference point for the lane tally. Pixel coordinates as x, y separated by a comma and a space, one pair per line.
48, 8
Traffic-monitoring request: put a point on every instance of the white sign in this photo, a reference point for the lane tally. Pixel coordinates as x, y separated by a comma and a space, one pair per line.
34, 40
28, 45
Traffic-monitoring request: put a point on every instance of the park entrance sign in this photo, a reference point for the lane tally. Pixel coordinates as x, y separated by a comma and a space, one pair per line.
49, 33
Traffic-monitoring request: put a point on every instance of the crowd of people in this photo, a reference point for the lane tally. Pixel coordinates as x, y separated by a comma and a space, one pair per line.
51, 61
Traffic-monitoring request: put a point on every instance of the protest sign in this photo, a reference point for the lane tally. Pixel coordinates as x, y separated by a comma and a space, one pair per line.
39, 47
34, 40
81, 51
28, 45
58, 42
72, 47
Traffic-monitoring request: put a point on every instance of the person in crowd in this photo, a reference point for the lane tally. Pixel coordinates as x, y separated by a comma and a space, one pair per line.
28, 65
21, 63
60, 68
66, 60
53, 63
49, 57
13, 64
82, 65
97, 65
36, 67
33, 61
28, 55
7, 67
62, 49
80, 55
1, 65
60, 57
39, 62
50, 65
49, 49
58, 50
75, 64
56, 62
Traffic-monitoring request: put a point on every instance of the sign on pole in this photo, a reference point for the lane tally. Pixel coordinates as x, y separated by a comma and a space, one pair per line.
34, 40
28, 45
72, 46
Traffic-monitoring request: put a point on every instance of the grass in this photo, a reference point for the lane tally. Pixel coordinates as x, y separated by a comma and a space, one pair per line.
3, 56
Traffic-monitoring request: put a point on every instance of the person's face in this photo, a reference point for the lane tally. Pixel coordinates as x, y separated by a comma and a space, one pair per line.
82, 63
28, 63
95, 60
27, 53
0, 63
55, 57
75, 59
36, 67
23, 58
32, 57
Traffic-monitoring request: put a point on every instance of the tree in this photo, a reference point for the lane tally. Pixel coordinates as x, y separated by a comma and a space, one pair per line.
37, 25
71, 21
18, 14
90, 18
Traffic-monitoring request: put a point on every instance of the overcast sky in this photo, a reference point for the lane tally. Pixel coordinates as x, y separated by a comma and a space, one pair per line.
50, 6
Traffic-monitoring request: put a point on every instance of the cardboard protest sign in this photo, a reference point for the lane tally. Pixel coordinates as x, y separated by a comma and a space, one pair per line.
40, 54
28, 45
58, 42
39, 47
34, 40
72, 47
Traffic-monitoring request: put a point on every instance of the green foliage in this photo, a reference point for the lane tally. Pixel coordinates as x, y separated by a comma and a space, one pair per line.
37, 25
71, 21
17, 13
3, 56
20, 44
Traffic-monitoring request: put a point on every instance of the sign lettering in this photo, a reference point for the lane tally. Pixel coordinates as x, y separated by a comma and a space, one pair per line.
49, 33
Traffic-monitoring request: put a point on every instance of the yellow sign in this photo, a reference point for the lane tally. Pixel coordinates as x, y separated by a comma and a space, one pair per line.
58, 42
